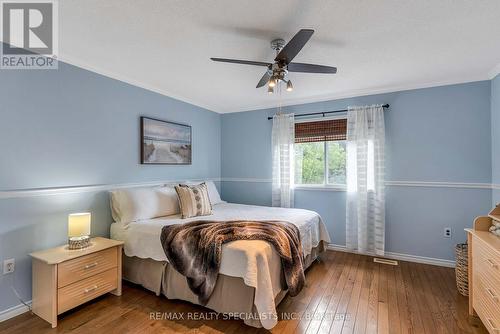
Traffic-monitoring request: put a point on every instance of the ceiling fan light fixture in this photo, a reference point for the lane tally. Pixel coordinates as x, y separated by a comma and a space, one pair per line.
277, 69
272, 82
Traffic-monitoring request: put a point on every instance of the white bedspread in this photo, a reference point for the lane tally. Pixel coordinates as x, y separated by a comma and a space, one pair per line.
255, 261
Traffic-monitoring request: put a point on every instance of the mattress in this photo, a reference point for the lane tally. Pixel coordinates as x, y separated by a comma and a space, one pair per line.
142, 238
255, 261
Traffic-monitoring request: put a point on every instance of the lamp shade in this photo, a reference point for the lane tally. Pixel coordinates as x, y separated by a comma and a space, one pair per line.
79, 224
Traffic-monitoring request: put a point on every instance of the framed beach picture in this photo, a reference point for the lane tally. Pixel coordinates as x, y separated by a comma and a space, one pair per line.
164, 142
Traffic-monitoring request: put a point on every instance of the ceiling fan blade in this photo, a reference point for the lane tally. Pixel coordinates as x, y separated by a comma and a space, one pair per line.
245, 62
264, 80
294, 46
311, 68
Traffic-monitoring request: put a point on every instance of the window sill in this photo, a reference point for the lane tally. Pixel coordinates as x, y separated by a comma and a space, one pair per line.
321, 187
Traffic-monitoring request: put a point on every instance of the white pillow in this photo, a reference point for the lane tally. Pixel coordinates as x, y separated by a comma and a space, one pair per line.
213, 194
132, 204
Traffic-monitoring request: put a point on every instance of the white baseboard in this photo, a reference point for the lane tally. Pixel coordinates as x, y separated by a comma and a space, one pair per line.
401, 257
14, 311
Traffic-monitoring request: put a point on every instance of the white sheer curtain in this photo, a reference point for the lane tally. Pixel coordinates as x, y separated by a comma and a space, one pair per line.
365, 214
283, 139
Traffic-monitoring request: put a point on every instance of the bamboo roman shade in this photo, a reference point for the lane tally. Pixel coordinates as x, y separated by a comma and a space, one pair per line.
329, 130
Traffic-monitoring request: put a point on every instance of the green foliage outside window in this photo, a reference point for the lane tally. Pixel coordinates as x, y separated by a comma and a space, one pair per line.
310, 162
336, 162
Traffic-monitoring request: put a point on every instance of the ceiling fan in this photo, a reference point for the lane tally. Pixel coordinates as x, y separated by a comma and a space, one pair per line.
278, 70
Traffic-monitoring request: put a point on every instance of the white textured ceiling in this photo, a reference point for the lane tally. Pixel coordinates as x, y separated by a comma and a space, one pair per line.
377, 45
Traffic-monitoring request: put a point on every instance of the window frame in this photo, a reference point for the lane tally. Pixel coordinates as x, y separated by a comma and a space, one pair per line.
325, 186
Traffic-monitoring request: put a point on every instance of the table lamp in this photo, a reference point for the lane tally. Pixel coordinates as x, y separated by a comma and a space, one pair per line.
79, 230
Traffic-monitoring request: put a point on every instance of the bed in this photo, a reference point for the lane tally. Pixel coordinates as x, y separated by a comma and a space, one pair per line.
250, 283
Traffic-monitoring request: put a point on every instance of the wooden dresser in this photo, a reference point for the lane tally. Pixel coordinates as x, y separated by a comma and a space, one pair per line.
64, 279
484, 273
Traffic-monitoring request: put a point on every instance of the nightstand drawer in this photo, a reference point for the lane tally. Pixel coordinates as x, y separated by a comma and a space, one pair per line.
63, 278
88, 265
85, 290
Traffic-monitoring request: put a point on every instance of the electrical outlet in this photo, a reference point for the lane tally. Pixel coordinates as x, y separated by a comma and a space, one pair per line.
447, 232
9, 266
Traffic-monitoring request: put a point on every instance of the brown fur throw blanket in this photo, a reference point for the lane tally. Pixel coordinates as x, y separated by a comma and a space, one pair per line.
194, 250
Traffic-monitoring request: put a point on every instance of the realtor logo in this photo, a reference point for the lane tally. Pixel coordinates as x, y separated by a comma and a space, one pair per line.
29, 34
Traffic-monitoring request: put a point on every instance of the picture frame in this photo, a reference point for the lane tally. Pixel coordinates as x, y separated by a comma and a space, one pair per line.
164, 142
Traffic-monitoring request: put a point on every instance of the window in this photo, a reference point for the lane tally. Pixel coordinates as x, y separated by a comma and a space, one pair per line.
320, 152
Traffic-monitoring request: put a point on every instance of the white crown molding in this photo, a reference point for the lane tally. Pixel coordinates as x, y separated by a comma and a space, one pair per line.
74, 61
494, 72
14, 311
399, 256
367, 91
19, 193
495, 186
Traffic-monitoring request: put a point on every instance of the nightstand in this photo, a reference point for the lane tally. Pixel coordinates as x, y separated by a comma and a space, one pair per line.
64, 278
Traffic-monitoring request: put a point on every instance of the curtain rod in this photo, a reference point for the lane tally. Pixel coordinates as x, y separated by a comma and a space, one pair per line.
327, 112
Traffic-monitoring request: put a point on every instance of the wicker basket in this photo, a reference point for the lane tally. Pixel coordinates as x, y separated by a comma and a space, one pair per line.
461, 269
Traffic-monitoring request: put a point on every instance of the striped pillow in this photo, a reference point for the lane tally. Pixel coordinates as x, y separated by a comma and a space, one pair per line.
194, 200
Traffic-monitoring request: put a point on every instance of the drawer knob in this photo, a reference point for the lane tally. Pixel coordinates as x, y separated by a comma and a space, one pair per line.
492, 325
492, 294
87, 290
491, 263
91, 265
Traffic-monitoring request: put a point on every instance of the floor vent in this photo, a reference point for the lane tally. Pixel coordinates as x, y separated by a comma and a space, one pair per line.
385, 261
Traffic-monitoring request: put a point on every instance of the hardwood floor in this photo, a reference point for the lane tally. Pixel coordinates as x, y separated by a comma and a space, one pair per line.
345, 293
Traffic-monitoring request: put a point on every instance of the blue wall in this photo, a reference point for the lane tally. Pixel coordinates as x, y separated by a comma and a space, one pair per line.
435, 134
72, 127
495, 138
